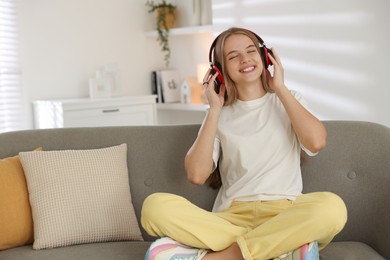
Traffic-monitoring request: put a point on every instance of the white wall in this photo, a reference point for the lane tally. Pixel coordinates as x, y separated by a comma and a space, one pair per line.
64, 42
334, 52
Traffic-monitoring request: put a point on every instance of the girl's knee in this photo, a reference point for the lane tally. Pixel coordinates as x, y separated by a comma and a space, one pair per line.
152, 213
152, 201
331, 209
158, 211
158, 207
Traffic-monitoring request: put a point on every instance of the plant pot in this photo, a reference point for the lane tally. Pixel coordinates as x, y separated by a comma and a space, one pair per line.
165, 17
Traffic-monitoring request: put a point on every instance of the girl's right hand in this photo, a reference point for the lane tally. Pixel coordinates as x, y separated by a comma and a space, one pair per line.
215, 100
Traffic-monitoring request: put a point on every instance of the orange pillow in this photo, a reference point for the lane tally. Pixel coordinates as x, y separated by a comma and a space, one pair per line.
16, 227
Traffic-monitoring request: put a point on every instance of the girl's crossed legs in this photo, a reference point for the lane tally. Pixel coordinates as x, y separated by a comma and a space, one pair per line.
261, 229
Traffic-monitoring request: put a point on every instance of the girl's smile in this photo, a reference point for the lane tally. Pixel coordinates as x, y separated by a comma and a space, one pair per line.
248, 69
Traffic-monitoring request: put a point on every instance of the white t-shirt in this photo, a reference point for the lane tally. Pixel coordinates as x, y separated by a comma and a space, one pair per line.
258, 152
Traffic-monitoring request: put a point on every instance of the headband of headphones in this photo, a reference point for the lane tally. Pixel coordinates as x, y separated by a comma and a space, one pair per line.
263, 51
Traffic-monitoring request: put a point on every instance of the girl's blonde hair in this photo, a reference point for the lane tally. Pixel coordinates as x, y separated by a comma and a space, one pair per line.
219, 57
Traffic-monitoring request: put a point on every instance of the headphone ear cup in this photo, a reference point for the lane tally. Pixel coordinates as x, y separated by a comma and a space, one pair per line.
219, 80
264, 55
218, 68
215, 66
269, 52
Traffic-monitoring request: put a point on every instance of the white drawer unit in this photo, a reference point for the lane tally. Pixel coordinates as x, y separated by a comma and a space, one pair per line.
119, 111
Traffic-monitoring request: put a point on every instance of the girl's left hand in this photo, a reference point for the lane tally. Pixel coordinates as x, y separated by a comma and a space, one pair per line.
277, 80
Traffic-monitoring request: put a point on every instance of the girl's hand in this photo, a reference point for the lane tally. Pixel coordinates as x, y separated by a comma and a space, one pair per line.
215, 100
277, 80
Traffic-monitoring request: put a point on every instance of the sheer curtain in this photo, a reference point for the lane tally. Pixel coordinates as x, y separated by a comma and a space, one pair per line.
11, 101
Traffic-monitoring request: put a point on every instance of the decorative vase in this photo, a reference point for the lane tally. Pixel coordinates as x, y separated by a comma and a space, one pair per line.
168, 16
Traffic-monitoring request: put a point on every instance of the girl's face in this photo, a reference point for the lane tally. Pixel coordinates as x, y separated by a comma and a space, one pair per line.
242, 60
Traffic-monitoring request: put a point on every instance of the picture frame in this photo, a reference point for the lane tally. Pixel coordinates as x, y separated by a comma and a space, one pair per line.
170, 85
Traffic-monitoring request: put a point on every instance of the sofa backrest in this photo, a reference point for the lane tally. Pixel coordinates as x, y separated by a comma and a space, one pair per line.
355, 165
155, 156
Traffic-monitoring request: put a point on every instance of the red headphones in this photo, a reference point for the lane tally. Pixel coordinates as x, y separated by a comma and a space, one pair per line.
216, 66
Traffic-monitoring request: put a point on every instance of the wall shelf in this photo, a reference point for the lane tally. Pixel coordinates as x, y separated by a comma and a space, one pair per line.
184, 30
183, 107
178, 113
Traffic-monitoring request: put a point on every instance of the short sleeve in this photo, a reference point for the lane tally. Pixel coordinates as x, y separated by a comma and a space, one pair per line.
298, 96
216, 152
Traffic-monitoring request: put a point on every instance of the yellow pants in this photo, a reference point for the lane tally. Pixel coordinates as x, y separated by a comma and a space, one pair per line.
262, 229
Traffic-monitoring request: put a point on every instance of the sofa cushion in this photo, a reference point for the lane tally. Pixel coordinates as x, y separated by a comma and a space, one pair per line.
349, 250
16, 226
136, 250
125, 250
80, 196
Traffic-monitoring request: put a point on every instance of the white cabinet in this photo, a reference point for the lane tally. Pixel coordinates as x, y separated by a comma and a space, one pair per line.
120, 111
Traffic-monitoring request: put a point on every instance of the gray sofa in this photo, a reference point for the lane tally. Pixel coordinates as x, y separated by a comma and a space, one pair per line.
355, 165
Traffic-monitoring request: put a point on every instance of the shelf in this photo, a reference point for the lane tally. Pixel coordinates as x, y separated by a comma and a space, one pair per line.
182, 107
184, 30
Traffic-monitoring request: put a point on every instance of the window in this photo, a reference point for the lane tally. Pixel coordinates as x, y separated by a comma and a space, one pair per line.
11, 101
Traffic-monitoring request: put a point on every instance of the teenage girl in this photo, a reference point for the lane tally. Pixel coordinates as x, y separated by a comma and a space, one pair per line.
253, 132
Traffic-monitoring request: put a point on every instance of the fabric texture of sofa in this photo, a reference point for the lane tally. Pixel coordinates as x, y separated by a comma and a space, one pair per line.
355, 165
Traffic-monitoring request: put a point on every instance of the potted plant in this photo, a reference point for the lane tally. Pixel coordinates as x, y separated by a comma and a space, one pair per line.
165, 16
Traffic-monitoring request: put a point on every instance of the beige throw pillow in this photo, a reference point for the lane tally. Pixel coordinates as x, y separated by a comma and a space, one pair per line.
80, 196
